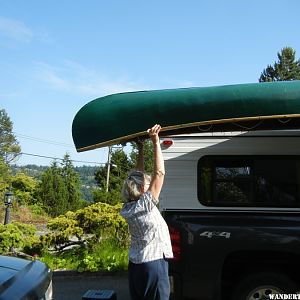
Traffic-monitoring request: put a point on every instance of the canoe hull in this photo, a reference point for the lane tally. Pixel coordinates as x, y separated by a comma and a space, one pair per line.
123, 117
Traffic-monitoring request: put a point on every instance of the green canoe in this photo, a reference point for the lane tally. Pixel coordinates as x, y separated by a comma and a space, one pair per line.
123, 117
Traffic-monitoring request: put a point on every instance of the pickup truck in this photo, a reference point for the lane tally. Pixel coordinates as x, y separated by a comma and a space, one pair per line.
232, 204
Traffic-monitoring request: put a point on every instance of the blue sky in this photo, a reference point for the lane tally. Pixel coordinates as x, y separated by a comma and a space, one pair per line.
55, 56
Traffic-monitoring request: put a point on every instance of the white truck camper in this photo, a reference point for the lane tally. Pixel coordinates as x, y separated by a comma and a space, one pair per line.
240, 163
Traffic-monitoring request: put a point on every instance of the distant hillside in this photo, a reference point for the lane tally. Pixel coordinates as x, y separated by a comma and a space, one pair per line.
86, 174
88, 181
31, 170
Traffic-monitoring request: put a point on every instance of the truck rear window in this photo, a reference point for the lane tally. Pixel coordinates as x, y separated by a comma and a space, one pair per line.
264, 181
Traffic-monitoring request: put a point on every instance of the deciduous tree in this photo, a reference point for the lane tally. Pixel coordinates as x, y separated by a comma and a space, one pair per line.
4, 177
119, 168
121, 164
24, 188
9, 146
148, 156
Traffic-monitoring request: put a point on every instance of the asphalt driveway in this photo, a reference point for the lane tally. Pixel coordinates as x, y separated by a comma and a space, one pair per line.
72, 285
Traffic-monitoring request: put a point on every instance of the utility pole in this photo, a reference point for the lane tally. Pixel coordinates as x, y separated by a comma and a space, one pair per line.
108, 167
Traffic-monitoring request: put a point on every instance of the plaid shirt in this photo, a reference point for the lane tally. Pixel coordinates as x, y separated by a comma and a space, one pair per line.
150, 238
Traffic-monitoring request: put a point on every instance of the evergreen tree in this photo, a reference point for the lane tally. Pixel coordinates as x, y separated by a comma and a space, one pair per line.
9, 146
72, 182
286, 68
59, 188
52, 191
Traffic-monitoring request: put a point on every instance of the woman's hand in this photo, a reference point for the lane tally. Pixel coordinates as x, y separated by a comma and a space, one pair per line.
153, 133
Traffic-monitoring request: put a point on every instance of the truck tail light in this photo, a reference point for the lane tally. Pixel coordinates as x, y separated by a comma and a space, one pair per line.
166, 143
175, 240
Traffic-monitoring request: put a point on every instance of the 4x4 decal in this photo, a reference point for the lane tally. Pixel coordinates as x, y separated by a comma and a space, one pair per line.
210, 234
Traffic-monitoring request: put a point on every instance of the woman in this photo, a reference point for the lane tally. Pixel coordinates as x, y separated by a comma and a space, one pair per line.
150, 238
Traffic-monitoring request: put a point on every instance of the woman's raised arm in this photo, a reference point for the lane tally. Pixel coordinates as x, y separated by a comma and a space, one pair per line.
159, 165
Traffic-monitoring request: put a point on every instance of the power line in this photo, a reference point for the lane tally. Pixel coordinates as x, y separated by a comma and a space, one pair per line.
52, 142
44, 156
36, 139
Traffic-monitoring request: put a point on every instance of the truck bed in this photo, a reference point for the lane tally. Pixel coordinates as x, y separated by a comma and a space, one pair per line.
216, 249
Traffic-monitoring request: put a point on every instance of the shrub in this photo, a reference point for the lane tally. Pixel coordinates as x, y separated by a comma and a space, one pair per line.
91, 239
87, 226
16, 235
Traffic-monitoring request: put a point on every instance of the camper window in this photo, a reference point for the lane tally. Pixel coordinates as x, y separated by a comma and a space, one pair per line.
270, 181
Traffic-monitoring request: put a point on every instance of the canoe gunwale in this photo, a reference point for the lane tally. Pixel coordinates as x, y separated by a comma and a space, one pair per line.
173, 128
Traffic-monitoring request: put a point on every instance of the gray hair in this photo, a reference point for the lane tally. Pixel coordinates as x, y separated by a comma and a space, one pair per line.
132, 187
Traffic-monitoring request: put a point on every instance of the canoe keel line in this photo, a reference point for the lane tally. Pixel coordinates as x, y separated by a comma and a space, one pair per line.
123, 117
